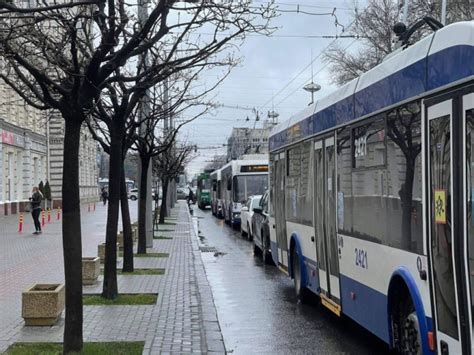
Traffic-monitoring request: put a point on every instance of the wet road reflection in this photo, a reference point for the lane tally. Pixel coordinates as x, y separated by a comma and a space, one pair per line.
257, 308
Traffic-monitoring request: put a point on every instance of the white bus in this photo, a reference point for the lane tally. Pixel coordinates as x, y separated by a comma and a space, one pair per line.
372, 196
241, 179
216, 194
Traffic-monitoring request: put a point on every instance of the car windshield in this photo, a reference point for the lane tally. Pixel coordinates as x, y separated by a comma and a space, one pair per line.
206, 184
255, 202
245, 186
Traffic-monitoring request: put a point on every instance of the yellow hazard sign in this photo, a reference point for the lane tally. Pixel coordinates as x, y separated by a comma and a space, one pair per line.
440, 206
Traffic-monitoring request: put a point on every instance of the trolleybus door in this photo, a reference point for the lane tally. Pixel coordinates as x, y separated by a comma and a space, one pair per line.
444, 224
325, 222
468, 132
280, 219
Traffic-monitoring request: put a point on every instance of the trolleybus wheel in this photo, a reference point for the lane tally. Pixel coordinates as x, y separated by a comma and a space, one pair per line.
407, 330
410, 339
297, 273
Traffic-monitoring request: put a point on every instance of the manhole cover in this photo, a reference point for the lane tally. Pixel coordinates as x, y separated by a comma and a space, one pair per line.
204, 249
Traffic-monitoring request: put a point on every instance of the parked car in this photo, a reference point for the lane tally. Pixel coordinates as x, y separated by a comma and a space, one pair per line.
261, 229
133, 194
246, 214
181, 193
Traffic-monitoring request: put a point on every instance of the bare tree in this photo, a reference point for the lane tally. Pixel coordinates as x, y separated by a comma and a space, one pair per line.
168, 166
62, 55
373, 28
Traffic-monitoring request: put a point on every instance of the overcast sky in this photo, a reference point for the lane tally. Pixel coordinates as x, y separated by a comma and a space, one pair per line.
271, 68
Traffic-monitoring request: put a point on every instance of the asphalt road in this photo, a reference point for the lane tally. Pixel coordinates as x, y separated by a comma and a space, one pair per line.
257, 307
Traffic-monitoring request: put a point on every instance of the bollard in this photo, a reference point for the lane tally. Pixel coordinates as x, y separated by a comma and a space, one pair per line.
20, 223
58, 213
42, 217
94, 206
88, 207
49, 215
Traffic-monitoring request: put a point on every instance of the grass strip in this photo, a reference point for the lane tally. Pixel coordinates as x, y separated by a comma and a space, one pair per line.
139, 272
122, 299
148, 255
152, 255
99, 348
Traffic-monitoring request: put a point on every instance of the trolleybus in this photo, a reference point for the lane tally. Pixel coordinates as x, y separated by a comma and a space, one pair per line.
216, 194
372, 196
242, 178
203, 190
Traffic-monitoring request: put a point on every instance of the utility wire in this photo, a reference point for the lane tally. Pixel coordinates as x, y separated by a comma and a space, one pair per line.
303, 70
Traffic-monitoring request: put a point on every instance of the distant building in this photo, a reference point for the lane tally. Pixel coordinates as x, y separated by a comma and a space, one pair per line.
244, 140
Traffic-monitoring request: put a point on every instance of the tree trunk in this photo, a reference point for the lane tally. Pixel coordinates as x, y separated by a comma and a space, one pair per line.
142, 216
163, 212
71, 230
127, 227
110, 288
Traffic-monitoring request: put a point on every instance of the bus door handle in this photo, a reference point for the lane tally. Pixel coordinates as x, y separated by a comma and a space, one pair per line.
312, 238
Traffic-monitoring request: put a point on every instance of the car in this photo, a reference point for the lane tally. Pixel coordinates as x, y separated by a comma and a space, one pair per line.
133, 194
181, 193
246, 214
261, 230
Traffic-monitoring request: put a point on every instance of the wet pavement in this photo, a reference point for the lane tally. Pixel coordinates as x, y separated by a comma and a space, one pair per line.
257, 308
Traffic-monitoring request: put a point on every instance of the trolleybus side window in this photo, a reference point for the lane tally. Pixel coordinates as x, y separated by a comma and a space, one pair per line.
368, 180
403, 216
369, 144
386, 180
299, 190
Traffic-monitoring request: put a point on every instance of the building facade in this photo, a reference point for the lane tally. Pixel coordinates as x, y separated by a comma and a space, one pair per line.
88, 162
245, 140
23, 151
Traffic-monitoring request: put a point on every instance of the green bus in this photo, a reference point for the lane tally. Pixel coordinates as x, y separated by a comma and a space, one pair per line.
204, 190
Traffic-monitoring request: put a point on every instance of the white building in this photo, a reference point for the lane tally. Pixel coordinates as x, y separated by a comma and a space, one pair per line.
245, 140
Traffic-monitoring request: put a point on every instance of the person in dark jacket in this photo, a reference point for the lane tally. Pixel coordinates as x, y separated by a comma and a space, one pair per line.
36, 208
105, 195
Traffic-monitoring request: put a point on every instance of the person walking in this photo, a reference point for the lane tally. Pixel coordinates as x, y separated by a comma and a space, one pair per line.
105, 195
35, 201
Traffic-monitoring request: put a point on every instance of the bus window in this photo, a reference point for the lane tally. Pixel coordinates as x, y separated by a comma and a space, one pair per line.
403, 213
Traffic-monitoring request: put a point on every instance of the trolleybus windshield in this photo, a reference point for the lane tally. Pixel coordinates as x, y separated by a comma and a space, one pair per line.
245, 186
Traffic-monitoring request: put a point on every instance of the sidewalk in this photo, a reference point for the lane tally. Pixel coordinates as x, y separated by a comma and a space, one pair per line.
183, 320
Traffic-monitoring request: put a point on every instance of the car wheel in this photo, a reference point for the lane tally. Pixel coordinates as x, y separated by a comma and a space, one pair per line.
242, 232
266, 256
249, 233
256, 249
133, 198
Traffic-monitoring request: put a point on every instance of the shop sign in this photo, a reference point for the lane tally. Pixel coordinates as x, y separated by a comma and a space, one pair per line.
12, 139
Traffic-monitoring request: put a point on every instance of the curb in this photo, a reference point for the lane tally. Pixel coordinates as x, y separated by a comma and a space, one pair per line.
211, 334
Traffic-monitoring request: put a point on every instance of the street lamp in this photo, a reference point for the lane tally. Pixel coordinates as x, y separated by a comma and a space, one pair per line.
312, 88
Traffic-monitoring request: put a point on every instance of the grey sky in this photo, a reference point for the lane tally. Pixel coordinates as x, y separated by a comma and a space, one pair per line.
268, 65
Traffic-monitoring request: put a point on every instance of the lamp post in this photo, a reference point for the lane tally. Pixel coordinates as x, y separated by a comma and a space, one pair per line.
312, 88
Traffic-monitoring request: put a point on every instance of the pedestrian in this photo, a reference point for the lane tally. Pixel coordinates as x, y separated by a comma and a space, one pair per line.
105, 195
35, 201
190, 195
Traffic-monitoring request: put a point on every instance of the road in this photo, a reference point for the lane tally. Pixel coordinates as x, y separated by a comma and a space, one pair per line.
257, 307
